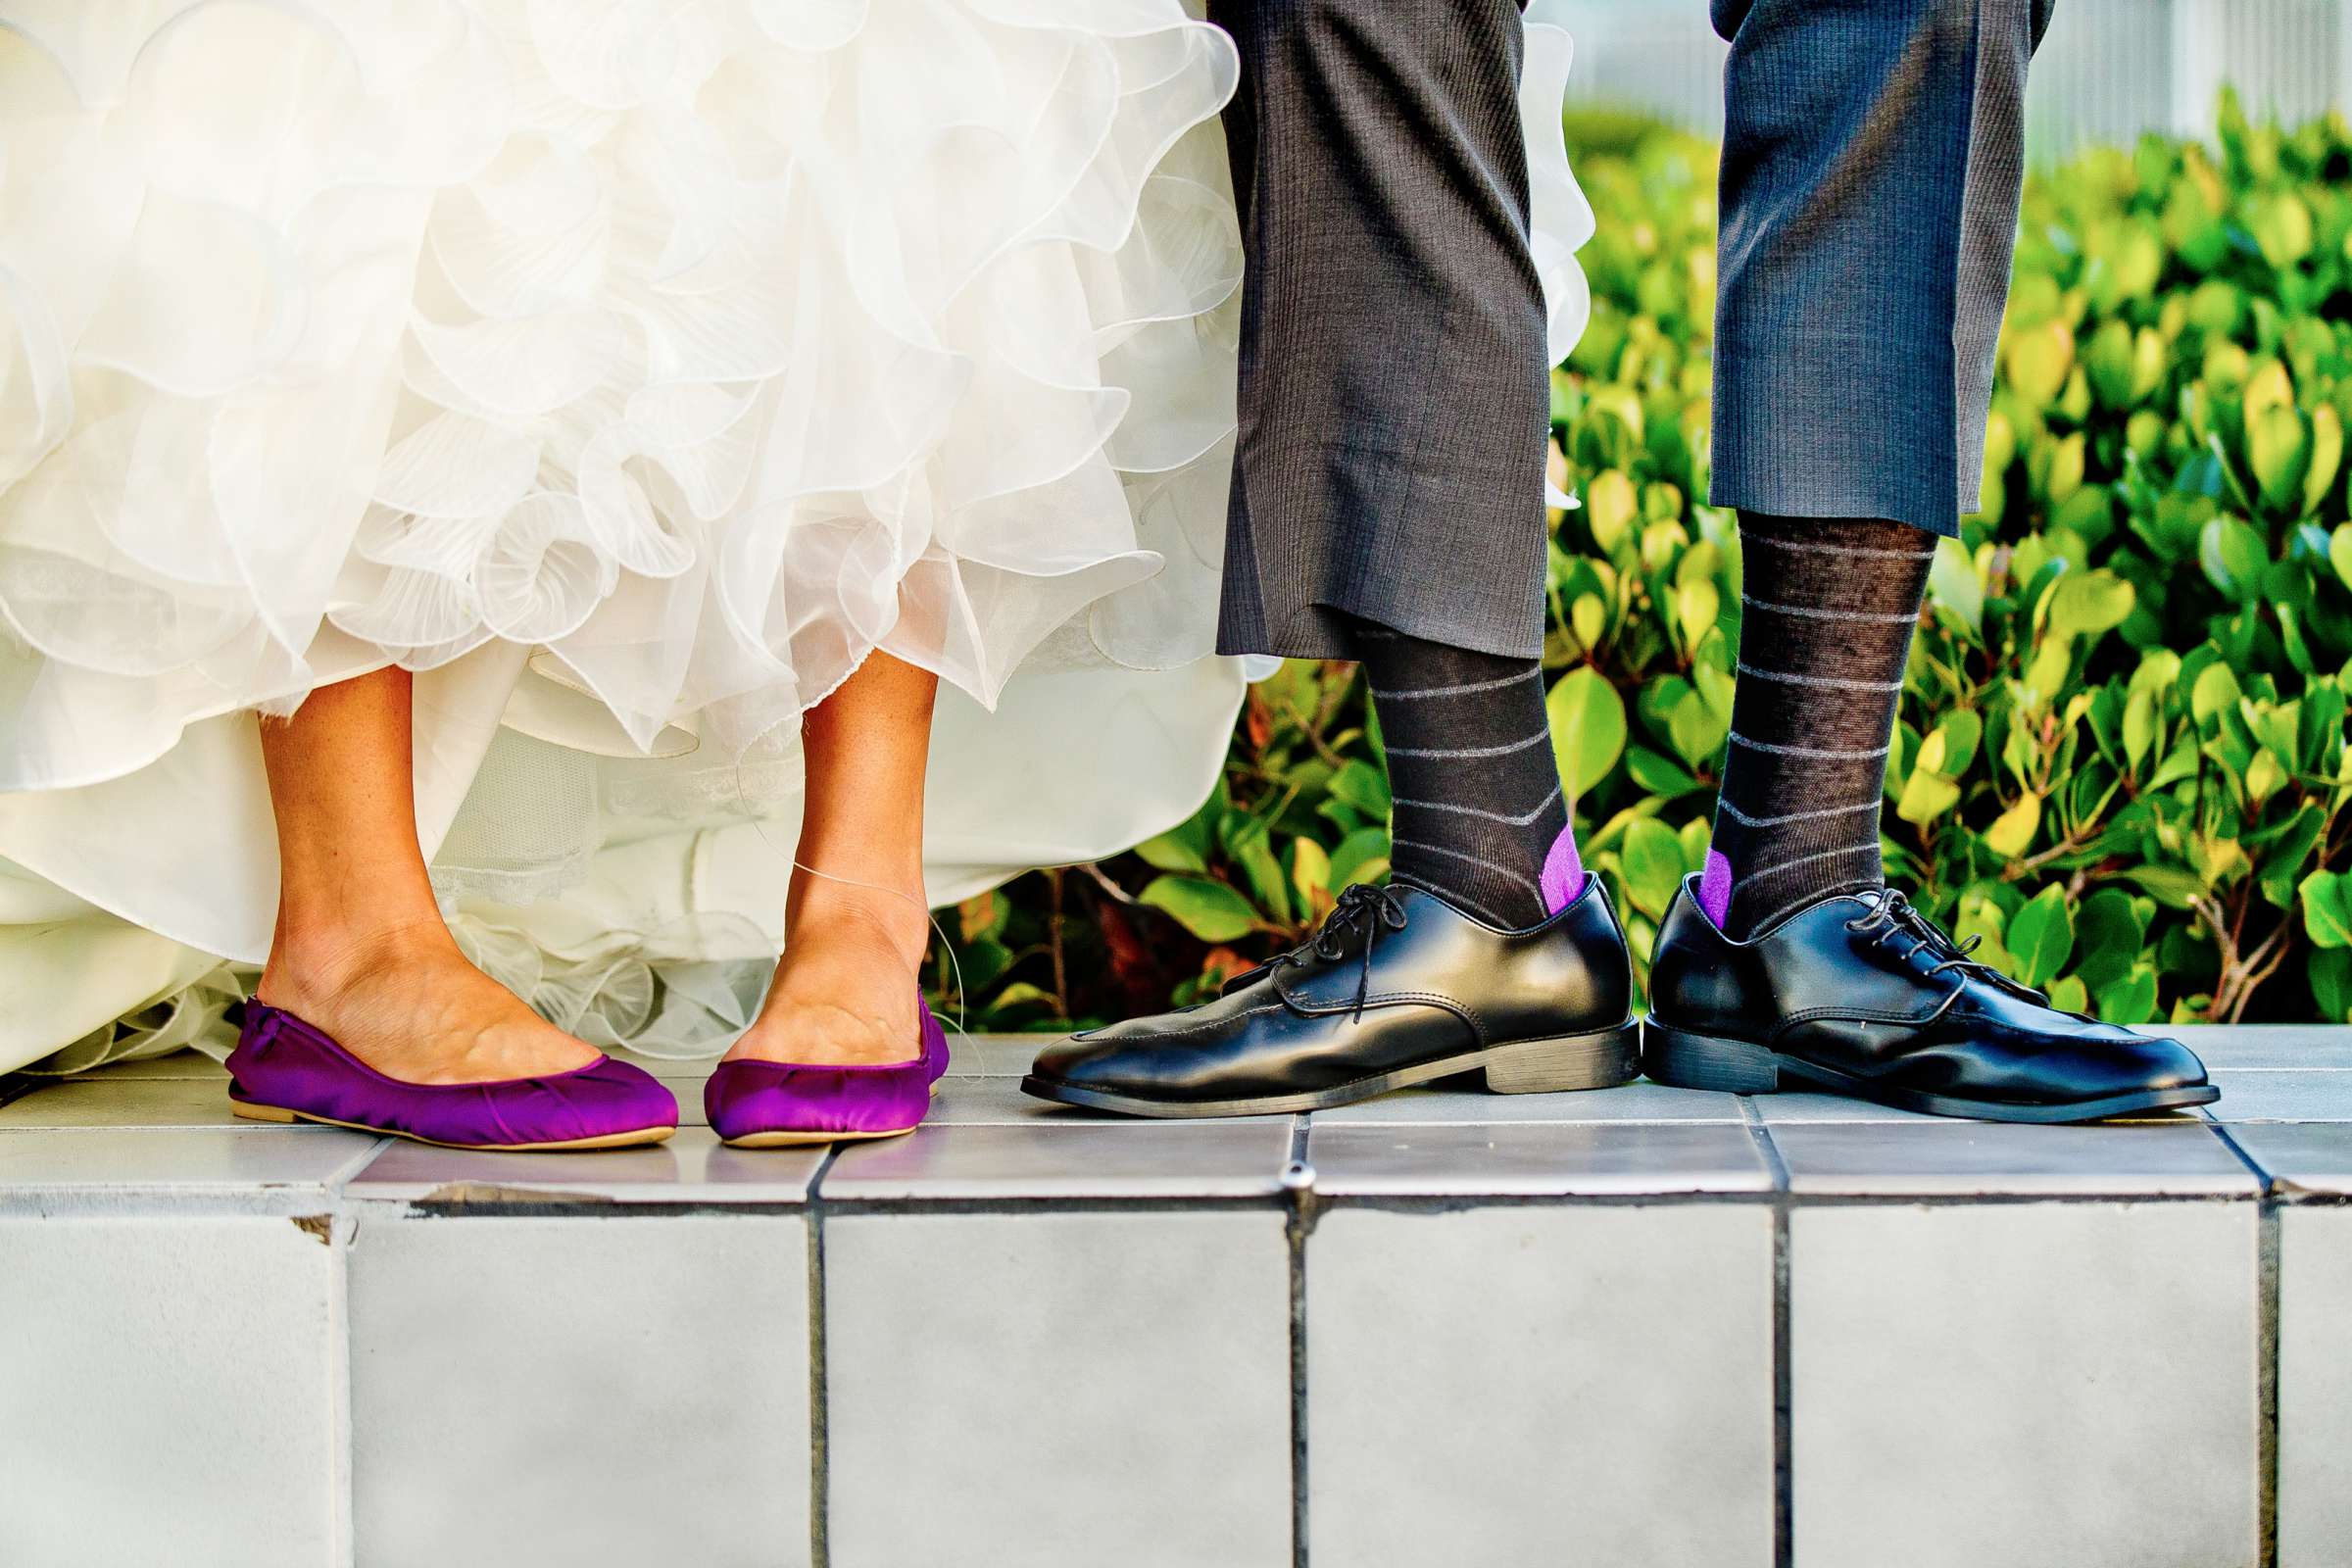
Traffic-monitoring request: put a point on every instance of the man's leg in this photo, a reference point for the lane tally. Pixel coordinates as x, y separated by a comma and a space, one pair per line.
1873, 156
1393, 404
1388, 507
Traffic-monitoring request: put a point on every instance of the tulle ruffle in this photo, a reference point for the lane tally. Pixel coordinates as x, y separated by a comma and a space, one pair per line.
705, 348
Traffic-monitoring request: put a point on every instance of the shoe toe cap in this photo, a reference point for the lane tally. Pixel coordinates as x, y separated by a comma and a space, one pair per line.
615, 1097
1099, 1060
2161, 1062
2119, 1062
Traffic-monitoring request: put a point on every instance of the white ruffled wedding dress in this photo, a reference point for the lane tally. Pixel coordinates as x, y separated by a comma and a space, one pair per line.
629, 371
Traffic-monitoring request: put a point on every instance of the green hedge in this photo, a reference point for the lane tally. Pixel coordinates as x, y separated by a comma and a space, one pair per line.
2121, 763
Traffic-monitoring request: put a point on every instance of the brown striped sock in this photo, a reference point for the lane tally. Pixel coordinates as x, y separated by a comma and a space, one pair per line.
1828, 606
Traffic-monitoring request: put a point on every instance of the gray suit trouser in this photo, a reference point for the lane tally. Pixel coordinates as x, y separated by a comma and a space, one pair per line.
1394, 393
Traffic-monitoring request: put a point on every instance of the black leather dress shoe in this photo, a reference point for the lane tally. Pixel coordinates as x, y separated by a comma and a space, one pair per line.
1862, 995
1398, 988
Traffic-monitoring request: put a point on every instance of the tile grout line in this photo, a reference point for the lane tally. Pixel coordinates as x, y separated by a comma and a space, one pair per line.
821, 1472
1783, 1481
342, 1235
1298, 1181
2266, 1379
2266, 1353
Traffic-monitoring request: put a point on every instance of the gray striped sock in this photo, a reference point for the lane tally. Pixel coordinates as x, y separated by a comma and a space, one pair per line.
1471, 768
1827, 610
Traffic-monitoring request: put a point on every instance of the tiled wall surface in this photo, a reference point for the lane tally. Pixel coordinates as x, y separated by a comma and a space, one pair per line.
1636, 1327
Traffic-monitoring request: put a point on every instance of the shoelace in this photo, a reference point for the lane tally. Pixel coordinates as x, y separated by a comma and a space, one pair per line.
1362, 912
1894, 914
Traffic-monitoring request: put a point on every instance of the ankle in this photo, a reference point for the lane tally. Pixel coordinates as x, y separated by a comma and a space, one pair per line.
876, 923
311, 962
888, 909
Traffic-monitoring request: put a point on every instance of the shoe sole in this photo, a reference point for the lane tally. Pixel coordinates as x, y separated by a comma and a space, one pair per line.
251, 1112
795, 1139
801, 1137
1687, 1061
1600, 1060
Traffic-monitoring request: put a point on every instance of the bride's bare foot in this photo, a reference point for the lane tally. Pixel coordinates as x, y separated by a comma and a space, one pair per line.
844, 989
407, 1004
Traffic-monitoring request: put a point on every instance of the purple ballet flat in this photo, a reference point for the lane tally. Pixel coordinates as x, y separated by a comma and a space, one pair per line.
766, 1104
284, 1069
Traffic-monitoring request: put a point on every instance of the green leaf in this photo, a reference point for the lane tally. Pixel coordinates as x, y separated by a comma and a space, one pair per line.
2289, 853
1609, 504
1185, 846
1982, 917
2331, 984
1695, 606
979, 963
1962, 732
2139, 725
1694, 729
1695, 836
2041, 935
1255, 854
1361, 857
1021, 994
2278, 451
1171, 852
1651, 864
2108, 358
2038, 361
2087, 603
2326, 458
2233, 556
1657, 774
1311, 872
1587, 618
2131, 999
1209, 911
1362, 787
2327, 909
1587, 729
2339, 553
2013, 828
2168, 885
1714, 685
2216, 691
2108, 937
2179, 763
1927, 795
1347, 818
2281, 227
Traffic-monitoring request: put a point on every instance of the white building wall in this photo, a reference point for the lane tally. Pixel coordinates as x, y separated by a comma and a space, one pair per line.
2108, 71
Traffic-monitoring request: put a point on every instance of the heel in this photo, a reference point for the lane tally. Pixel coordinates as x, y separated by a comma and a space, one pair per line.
253, 1112
1707, 1062
1601, 1059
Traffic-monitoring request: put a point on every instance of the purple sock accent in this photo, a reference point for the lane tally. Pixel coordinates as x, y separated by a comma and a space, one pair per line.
1563, 875
1715, 888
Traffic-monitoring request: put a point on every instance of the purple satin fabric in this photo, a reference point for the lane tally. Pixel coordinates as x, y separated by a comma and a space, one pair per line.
1563, 878
748, 1096
282, 1061
1715, 888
